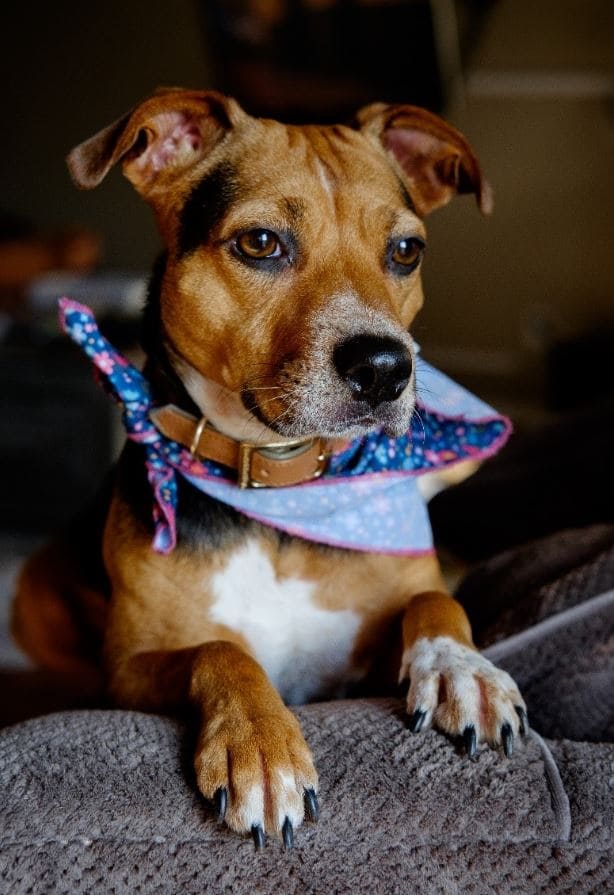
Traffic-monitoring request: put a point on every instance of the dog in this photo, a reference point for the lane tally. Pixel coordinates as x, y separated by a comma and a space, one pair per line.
276, 333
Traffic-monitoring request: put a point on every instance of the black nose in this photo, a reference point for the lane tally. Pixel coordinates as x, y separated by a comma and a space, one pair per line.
376, 368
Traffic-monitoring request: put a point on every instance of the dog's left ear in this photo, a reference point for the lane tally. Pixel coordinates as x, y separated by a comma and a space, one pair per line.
435, 160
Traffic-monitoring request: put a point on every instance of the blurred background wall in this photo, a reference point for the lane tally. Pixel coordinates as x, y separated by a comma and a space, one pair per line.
69, 68
537, 100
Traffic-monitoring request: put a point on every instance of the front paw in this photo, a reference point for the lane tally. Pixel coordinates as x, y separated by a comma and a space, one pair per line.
454, 688
259, 774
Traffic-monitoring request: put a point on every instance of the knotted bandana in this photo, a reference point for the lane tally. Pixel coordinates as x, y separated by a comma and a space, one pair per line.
368, 498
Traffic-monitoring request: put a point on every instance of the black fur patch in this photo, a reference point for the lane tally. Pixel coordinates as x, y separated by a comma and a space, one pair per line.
206, 206
151, 323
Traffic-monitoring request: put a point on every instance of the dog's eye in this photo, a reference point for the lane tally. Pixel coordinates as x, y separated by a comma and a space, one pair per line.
259, 244
405, 253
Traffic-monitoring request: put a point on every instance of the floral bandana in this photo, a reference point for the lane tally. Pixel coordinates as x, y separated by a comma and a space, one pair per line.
367, 499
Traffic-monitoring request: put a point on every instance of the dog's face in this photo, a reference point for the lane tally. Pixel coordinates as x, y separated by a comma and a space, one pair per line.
294, 253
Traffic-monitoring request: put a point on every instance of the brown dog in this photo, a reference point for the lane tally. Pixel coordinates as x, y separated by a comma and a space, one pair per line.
280, 312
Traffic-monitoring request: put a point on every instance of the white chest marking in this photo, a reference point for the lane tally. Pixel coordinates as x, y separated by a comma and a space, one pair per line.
305, 650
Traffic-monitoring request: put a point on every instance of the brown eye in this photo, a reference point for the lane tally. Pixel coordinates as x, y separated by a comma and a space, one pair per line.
404, 255
407, 252
259, 244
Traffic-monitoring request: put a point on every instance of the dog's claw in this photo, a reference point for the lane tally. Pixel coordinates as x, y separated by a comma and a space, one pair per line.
471, 742
524, 719
416, 721
287, 833
312, 809
258, 837
507, 738
220, 801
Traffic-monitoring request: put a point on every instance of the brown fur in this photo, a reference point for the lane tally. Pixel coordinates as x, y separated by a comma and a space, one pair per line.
225, 329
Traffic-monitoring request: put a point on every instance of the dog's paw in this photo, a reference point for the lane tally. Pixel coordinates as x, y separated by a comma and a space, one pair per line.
259, 774
459, 691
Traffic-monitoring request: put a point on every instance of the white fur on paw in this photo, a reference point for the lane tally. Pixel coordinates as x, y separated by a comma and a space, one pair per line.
247, 809
456, 687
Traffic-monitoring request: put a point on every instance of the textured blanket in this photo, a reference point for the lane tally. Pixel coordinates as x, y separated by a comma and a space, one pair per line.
103, 801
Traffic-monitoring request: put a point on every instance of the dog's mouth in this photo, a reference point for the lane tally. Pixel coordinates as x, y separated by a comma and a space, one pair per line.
294, 408
328, 413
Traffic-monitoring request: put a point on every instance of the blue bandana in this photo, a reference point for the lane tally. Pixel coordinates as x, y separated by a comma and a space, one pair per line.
367, 499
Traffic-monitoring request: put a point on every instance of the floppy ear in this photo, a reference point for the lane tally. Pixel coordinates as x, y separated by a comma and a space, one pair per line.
157, 140
435, 160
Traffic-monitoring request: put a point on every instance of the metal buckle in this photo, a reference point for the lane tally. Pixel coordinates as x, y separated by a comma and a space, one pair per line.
197, 435
246, 451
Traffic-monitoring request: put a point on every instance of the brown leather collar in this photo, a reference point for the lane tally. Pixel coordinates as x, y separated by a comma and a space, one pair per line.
258, 465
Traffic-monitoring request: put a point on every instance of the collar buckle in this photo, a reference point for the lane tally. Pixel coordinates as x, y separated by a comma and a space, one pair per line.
280, 452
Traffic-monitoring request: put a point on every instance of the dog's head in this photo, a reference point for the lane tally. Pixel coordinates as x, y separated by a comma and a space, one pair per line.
293, 254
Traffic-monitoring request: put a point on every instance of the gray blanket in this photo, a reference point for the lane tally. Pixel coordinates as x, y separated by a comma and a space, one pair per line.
103, 801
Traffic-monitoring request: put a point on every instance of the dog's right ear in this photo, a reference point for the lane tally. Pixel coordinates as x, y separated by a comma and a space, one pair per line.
157, 140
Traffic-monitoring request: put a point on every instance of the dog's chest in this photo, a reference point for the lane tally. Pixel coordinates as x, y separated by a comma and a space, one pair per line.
305, 650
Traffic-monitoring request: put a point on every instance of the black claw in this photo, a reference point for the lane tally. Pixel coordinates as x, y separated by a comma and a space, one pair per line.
416, 721
258, 837
312, 809
287, 833
507, 738
524, 719
220, 801
471, 742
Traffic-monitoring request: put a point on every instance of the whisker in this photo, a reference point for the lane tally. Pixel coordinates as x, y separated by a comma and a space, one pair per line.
262, 388
270, 423
280, 416
421, 421
281, 394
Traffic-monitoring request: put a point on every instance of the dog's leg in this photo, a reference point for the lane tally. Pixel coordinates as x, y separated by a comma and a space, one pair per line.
251, 758
251, 753
164, 653
452, 686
